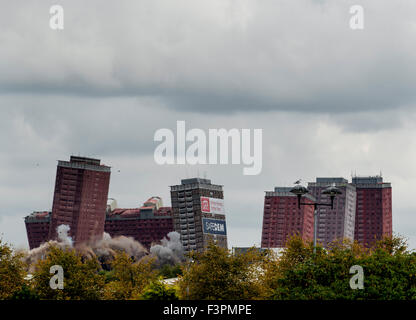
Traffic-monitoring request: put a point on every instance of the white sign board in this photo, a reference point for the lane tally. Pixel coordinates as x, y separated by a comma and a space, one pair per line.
212, 205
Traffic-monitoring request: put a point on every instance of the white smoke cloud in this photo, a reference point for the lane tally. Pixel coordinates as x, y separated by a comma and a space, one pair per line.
63, 235
170, 251
107, 247
64, 242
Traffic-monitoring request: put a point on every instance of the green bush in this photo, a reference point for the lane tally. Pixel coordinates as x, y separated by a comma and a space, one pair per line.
389, 272
159, 291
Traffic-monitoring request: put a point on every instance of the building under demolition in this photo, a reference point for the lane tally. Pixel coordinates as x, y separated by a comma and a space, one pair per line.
147, 224
37, 228
81, 202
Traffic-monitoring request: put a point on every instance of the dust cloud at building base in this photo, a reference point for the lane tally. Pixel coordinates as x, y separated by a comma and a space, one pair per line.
169, 251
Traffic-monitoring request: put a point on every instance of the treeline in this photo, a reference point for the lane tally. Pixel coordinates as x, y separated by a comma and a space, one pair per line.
389, 273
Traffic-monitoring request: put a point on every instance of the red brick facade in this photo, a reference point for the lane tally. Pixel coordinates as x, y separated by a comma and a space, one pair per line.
146, 225
283, 218
373, 218
80, 198
37, 228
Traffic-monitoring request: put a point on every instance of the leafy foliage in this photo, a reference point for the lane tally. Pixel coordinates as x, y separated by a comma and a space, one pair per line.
12, 272
27, 292
157, 290
216, 274
82, 280
130, 278
389, 272
168, 271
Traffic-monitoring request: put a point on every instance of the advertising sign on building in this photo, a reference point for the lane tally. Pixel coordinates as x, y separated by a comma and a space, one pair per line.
214, 226
212, 205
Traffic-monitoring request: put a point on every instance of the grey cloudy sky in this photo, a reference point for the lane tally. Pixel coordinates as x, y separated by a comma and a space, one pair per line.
330, 100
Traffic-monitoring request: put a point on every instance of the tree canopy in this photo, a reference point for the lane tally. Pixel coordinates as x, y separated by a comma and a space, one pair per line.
388, 273
12, 271
217, 274
82, 280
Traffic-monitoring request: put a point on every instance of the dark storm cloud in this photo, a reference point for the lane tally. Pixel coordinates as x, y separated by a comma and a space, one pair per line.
370, 121
110, 126
216, 56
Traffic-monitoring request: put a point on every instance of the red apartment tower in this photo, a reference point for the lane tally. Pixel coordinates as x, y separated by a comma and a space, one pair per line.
373, 218
80, 199
283, 218
37, 228
337, 223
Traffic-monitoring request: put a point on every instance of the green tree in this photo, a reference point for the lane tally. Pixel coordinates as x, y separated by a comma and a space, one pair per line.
217, 274
389, 271
157, 290
82, 280
168, 271
129, 277
26, 292
12, 272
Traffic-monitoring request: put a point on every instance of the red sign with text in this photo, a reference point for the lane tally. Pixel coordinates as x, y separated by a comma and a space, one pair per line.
212, 205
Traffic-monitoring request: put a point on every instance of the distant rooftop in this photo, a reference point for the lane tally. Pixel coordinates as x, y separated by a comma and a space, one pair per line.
189, 184
38, 216
153, 207
329, 180
282, 189
285, 192
139, 213
323, 182
86, 160
77, 162
368, 179
196, 180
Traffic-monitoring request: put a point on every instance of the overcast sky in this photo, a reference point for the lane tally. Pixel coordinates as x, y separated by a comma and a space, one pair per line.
330, 100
